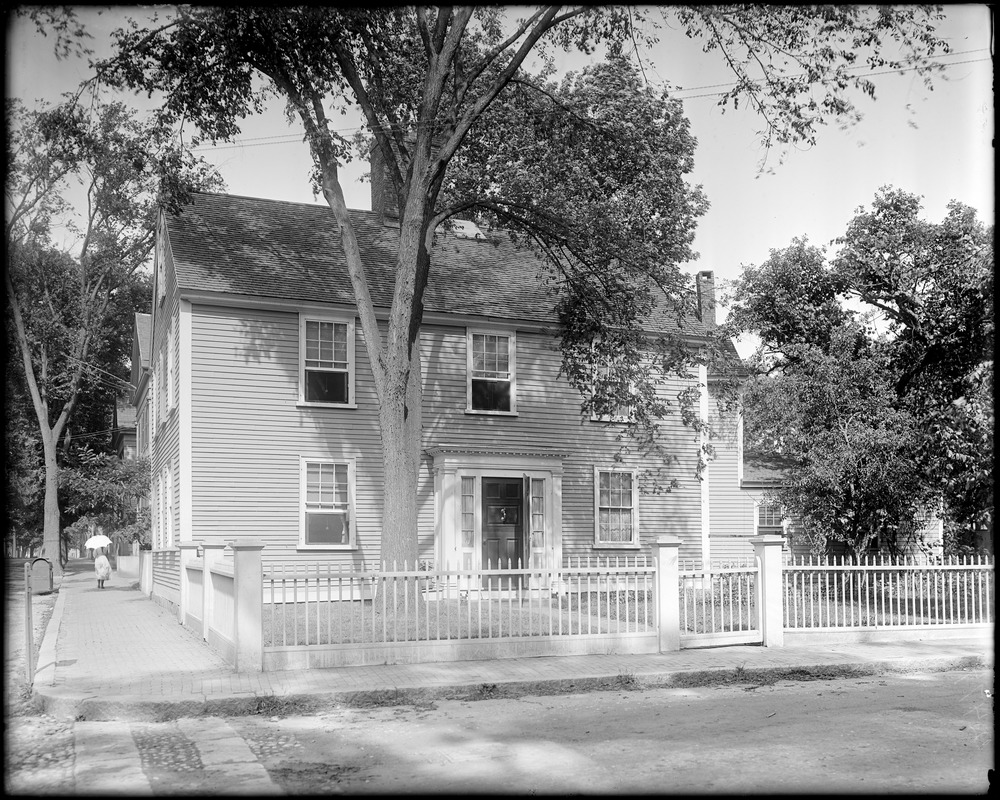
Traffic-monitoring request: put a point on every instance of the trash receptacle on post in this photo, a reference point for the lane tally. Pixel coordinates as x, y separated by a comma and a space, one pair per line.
41, 576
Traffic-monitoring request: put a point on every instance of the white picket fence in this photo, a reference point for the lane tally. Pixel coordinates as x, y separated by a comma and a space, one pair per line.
720, 605
290, 616
357, 611
879, 593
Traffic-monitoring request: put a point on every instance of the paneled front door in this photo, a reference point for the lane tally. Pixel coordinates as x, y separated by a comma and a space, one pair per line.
503, 523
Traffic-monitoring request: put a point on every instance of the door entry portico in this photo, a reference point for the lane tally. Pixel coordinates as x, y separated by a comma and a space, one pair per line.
498, 507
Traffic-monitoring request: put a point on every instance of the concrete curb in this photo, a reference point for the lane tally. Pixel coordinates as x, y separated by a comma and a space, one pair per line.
134, 708
45, 669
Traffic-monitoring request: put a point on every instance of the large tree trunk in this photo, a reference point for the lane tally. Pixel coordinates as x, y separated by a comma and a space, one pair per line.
51, 532
400, 423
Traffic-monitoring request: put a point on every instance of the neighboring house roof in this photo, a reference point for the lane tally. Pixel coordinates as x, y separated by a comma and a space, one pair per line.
269, 248
144, 336
764, 470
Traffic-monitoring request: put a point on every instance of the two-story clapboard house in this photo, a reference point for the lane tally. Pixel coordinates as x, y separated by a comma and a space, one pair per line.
257, 408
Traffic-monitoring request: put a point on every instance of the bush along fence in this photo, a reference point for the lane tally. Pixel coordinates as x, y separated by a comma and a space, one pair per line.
264, 616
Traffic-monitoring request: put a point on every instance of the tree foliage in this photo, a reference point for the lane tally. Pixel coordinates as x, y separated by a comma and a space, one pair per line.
921, 347
434, 87
100, 489
82, 194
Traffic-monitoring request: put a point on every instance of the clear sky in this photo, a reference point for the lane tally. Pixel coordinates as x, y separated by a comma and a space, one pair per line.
938, 144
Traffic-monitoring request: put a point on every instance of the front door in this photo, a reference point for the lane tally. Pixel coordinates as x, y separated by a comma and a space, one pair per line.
503, 523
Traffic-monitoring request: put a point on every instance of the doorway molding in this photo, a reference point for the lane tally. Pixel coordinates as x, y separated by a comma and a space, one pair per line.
453, 462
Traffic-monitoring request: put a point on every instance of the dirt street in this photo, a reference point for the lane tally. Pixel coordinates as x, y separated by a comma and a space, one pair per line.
912, 733
921, 732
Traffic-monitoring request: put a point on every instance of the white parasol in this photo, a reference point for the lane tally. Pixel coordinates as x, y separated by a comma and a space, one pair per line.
94, 542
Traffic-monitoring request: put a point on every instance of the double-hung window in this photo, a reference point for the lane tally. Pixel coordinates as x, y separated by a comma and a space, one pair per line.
491, 381
616, 508
769, 518
170, 366
327, 504
615, 399
327, 348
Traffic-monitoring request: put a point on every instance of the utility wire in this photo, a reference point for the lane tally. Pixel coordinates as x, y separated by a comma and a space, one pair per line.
298, 137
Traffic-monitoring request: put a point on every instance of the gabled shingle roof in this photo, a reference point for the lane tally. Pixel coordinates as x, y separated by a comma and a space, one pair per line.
765, 469
291, 251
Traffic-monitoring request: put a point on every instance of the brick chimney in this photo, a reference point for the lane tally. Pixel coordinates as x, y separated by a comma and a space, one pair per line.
384, 201
705, 286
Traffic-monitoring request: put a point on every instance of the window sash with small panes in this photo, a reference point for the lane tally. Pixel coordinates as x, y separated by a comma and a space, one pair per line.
769, 518
327, 502
491, 373
327, 361
615, 499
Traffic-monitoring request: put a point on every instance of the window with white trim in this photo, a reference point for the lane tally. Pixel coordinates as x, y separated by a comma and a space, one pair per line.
326, 346
152, 405
491, 386
170, 366
161, 402
327, 504
168, 537
769, 518
619, 402
616, 508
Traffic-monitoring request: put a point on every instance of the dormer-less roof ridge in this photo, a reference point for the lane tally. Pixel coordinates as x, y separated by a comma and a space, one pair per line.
283, 250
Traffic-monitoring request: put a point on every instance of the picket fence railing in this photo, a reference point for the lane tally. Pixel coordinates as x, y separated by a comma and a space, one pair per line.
286, 616
878, 592
720, 604
311, 605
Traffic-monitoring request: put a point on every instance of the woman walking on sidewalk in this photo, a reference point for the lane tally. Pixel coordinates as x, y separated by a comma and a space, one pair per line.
102, 567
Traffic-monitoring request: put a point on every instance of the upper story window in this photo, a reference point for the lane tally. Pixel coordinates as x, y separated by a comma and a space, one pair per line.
161, 263
327, 504
615, 402
491, 370
170, 366
152, 400
327, 359
616, 517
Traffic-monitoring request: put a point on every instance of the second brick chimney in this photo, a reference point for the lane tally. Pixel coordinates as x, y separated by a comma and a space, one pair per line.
705, 286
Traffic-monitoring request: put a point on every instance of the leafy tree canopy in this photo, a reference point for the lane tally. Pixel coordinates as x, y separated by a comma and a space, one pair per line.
84, 187
434, 86
921, 347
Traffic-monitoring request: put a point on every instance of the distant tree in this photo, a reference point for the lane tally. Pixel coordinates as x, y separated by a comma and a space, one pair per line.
933, 285
829, 411
432, 81
900, 394
100, 489
60, 300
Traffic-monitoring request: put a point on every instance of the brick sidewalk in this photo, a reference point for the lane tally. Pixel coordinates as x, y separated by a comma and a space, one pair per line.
113, 653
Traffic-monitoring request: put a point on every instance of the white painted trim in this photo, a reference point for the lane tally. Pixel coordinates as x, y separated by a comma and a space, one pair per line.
706, 519
352, 525
170, 503
430, 318
739, 448
758, 502
511, 336
636, 533
185, 435
352, 364
453, 462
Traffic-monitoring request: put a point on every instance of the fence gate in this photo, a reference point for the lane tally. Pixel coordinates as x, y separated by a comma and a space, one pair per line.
720, 605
